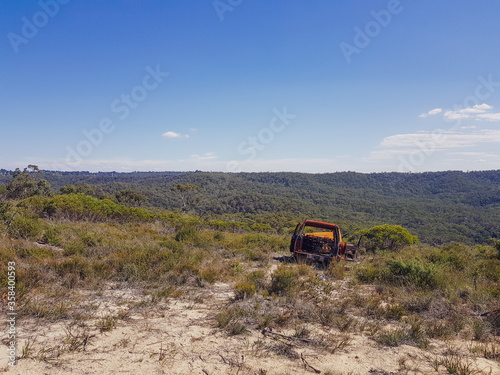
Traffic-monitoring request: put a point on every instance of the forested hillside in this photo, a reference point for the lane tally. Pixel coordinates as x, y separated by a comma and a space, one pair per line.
438, 207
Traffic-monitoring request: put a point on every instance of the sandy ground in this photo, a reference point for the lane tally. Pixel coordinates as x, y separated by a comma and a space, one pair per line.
179, 336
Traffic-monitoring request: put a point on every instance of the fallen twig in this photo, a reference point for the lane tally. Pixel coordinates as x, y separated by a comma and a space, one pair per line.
266, 331
154, 343
306, 364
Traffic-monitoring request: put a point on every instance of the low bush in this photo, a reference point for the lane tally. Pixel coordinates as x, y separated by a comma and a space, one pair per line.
186, 234
387, 237
243, 290
257, 278
412, 335
410, 273
82, 207
27, 227
283, 280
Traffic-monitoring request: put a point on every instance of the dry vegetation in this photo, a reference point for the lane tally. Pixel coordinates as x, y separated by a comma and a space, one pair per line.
97, 295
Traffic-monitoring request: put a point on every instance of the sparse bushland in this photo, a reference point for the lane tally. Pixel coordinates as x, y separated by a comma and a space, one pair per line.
74, 241
413, 296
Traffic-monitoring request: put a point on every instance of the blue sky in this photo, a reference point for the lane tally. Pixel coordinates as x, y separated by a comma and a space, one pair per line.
230, 85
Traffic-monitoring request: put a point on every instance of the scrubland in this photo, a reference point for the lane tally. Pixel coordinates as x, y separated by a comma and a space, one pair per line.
104, 288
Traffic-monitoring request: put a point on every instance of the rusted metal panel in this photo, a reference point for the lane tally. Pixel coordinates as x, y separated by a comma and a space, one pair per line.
321, 246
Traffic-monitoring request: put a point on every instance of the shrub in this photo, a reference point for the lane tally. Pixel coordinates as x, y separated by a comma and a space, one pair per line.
254, 255
443, 258
39, 253
209, 275
368, 273
257, 278
74, 248
228, 315
219, 236
259, 227
82, 207
50, 236
336, 270
394, 312
236, 328
413, 335
186, 234
387, 237
243, 290
106, 323
175, 246
410, 273
480, 329
4, 210
25, 227
78, 266
266, 242
283, 280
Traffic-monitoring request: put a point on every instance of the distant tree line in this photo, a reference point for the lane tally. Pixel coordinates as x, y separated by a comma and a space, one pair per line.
438, 207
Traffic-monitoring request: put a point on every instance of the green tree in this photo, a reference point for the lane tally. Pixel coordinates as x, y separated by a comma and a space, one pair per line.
27, 183
3, 192
4, 211
387, 237
68, 189
189, 194
94, 191
130, 198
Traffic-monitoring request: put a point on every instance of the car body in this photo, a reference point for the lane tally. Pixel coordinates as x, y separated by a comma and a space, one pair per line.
323, 245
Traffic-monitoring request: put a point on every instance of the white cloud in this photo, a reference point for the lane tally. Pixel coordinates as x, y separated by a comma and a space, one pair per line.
478, 108
489, 116
434, 111
171, 135
456, 115
205, 156
472, 153
479, 158
441, 140
478, 111
388, 154
470, 112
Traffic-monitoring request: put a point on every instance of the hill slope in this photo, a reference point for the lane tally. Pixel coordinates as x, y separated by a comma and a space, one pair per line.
438, 207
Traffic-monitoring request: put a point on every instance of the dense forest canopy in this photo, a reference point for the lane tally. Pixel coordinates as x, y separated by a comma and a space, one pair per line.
438, 207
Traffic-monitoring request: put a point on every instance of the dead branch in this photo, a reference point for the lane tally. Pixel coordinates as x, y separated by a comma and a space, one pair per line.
306, 364
266, 331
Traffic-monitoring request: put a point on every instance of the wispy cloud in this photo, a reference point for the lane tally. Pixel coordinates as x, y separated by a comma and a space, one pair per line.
205, 156
489, 116
171, 135
480, 158
472, 153
206, 162
442, 140
387, 154
432, 112
477, 112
